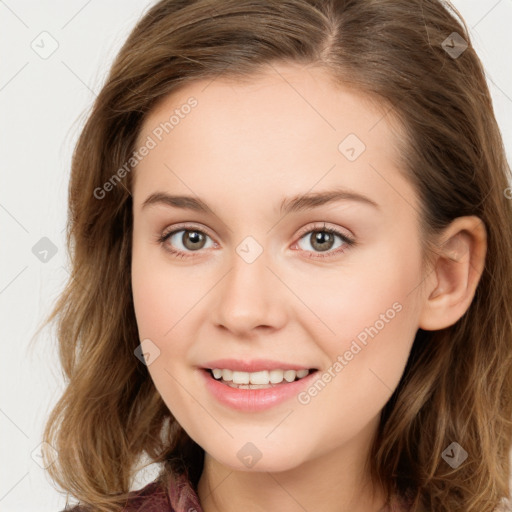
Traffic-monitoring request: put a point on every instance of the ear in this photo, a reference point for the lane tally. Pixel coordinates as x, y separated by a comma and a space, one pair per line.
456, 272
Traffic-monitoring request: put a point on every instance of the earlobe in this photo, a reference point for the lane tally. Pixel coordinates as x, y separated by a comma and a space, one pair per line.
457, 269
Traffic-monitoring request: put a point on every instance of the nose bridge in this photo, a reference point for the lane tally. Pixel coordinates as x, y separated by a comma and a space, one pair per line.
249, 295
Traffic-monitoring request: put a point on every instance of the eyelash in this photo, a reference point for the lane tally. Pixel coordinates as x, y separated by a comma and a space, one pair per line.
349, 242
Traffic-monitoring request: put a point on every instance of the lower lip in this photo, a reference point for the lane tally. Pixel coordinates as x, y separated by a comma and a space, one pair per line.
255, 399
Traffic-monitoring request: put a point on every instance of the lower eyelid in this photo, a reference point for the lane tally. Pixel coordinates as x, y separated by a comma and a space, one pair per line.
346, 242
167, 236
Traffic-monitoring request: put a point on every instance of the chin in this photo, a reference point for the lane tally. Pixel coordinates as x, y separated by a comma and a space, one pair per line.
258, 458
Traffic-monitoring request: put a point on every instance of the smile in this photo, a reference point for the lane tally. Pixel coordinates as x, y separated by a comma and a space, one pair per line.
255, 391
256, 380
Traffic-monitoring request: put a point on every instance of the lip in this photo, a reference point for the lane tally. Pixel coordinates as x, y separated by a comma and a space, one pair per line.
253, 400
255, 365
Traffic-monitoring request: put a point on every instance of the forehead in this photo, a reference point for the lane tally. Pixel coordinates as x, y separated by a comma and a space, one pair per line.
303, 98
290, 126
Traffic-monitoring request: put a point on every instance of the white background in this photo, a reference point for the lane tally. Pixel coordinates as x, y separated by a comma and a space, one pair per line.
43, 104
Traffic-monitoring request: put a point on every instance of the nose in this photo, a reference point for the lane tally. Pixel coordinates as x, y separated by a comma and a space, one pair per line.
250, 298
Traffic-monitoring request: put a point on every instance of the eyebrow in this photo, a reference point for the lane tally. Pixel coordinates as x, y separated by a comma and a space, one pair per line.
288, 205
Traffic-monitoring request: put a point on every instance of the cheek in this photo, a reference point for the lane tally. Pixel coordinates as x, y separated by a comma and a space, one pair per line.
160, 302
151, 301
162, 294
164, 301
372, 318
366, 291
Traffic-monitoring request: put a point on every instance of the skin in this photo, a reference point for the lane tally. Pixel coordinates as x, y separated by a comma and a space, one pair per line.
242, 150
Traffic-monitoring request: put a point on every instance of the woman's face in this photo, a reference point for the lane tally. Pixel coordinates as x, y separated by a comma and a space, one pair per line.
256, 280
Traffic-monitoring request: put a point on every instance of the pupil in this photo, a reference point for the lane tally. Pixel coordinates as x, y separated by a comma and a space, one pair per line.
192, 238
322, 238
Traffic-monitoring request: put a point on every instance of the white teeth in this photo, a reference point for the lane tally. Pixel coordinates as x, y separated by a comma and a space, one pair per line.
260, 378
248, 386
276, 376
289, 375
241, 377
217, 373
227, 375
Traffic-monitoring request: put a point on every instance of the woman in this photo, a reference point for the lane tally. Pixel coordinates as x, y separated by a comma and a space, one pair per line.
337, 168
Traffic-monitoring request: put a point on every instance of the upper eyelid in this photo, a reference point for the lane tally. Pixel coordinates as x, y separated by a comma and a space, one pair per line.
186, 227
326, 226
303, 231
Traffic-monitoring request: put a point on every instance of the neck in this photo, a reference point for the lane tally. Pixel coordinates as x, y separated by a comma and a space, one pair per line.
333, 482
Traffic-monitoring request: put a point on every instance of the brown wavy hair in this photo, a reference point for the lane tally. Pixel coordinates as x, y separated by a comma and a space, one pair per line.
457, 382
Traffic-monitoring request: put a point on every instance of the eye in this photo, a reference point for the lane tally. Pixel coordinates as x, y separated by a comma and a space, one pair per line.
322, 239
182, 241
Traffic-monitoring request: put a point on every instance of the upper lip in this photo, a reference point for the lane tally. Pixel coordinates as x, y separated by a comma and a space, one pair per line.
254, 365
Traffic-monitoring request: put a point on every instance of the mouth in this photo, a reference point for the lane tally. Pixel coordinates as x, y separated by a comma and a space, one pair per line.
263, 379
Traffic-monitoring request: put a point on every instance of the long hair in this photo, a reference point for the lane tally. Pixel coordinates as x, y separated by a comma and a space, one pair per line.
457, 383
